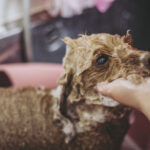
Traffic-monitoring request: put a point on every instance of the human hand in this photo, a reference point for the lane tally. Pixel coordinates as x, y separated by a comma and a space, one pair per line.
126, 93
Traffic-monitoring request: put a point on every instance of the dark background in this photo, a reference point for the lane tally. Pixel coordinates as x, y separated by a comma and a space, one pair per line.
122, 15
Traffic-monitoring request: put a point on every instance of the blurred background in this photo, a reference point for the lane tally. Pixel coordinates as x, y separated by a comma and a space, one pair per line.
32, 31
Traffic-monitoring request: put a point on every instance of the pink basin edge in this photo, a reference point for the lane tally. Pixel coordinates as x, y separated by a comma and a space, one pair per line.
33, 74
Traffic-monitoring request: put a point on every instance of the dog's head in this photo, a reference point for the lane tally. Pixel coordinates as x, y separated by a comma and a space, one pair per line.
101, 58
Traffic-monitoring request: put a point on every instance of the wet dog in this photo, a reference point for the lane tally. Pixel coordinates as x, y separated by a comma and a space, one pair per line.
74, 116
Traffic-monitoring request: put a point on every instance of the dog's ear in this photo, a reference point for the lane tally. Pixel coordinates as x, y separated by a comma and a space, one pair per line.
128, 38
67, 61
76, 58
73, 66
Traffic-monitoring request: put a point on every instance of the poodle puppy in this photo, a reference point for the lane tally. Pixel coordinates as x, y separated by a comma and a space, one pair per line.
74, 116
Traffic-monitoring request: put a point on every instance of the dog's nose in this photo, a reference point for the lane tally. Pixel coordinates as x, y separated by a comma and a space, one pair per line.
146, 60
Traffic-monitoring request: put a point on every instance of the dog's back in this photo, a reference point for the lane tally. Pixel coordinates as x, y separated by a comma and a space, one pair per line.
27, 121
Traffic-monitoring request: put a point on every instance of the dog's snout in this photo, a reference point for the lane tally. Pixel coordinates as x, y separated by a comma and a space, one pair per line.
146, 60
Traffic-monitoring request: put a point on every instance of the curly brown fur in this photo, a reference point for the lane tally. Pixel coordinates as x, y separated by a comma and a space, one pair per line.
74, 116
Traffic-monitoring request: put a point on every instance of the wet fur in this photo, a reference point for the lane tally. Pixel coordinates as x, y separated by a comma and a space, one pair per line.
74, 116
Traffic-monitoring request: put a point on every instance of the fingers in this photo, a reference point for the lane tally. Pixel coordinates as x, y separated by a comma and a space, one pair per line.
120, 90
113, 88
128, 94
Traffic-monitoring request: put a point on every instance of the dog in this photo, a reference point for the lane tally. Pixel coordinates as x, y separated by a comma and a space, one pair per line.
74, 116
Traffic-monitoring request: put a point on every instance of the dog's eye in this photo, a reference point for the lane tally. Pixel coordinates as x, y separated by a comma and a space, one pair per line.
102, 60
